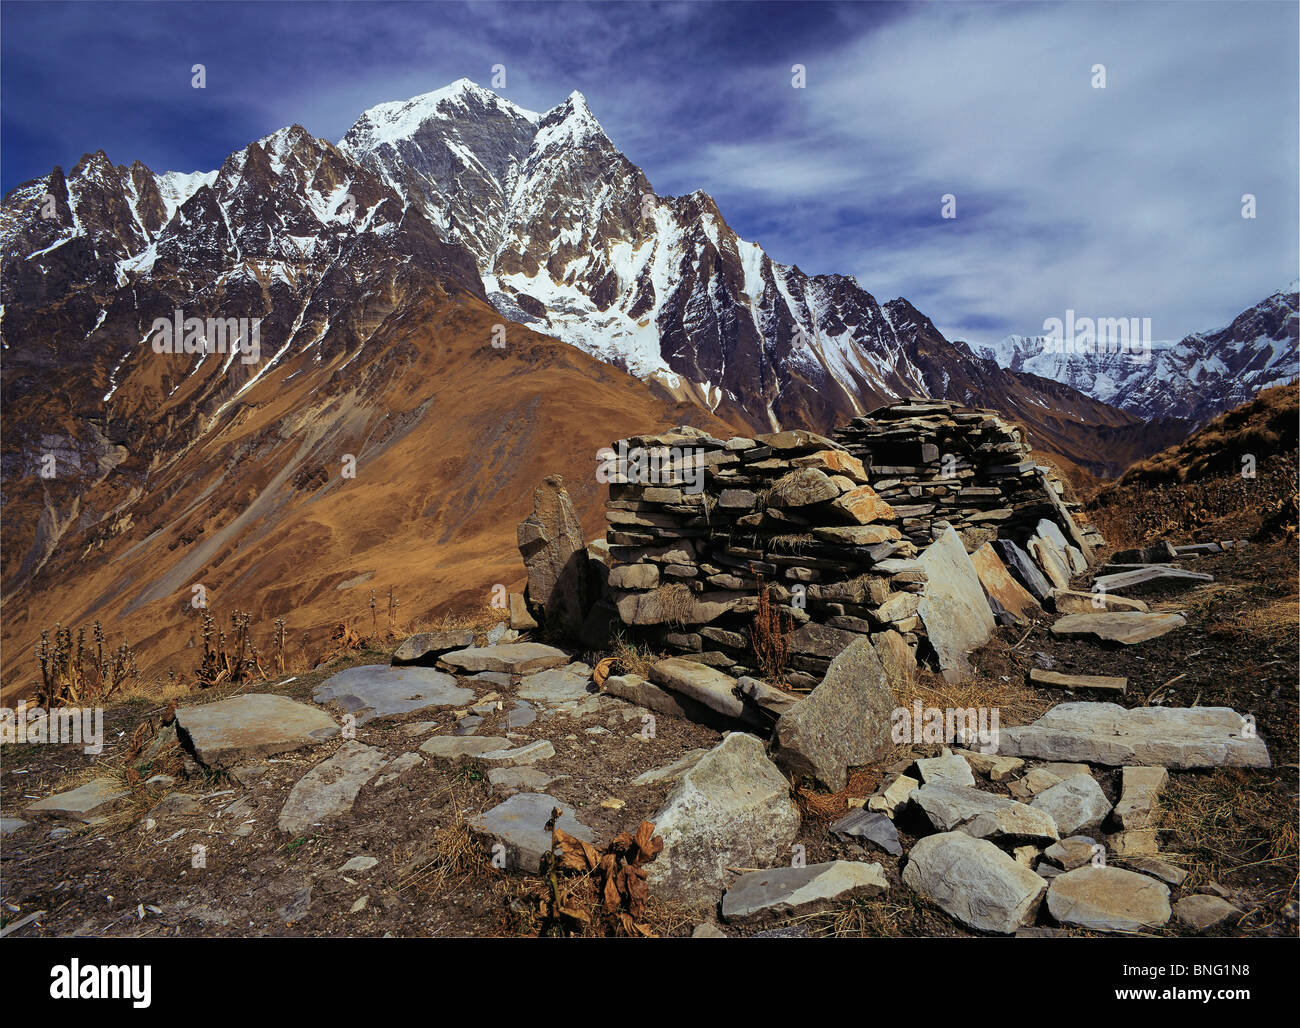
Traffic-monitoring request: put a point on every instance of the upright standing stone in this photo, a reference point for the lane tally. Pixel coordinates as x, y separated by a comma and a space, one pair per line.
551, 544
956, 614
845, 722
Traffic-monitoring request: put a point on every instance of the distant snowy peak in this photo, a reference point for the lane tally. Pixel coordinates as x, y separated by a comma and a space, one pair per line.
1194, 378
389, 124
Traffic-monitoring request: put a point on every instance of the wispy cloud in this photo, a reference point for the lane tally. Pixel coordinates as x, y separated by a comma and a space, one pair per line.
1114, 202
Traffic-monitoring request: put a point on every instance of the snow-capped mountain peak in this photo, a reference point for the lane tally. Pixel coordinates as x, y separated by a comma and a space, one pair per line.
1194, 378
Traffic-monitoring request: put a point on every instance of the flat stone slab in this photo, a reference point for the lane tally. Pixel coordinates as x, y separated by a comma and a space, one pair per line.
9, 825
558, 686
452, 747
1179, 738
1071, 601
1153, 576
1108, 899
951, 770
520, 825
1127, 627
1057, 680
330, 788
871, 826
511, 658
426, 647
234, 731
785, 891
378, 690
974, 881
82, 803
705, 685
519, 779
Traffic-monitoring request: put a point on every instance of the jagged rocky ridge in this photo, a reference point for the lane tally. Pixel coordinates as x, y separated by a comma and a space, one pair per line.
461, 189
1202, 375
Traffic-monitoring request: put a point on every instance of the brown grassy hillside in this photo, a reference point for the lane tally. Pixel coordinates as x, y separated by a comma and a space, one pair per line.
450, 435
1198, 488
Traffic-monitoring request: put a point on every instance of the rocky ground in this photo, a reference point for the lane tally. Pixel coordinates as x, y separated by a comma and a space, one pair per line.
381, 833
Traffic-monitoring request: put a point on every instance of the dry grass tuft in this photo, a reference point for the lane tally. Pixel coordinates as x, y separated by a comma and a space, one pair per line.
676, 602
1222, 822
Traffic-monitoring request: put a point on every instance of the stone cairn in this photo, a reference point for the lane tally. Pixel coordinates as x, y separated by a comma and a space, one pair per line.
933, 460
810, 541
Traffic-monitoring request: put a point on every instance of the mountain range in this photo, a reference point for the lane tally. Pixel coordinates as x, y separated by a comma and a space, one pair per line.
1200, 376
459, 297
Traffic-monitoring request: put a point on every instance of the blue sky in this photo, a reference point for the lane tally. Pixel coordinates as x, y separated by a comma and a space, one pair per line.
1115, 202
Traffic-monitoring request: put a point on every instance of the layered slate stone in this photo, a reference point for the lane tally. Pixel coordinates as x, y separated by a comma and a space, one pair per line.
845, 722
1018, 561
983, 815
732, 809
329, 789
1179, 738
1126, 627
510, 658
974, 881
704, 685
786, 891
956, 614
234, 731
378, 690
1005, 594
